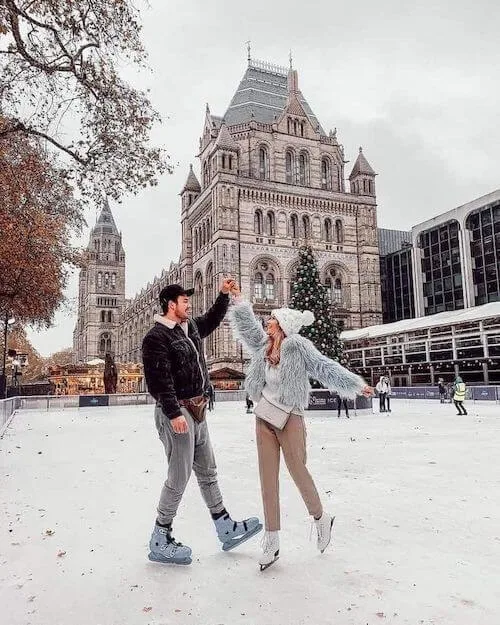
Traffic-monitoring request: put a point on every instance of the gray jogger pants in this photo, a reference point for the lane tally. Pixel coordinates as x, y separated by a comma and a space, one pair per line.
187, 452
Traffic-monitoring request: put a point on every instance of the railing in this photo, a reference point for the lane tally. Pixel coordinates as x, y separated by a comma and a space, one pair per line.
474, 393
7, 409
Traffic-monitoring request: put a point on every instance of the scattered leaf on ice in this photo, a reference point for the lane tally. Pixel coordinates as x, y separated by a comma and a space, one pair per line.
380, 614
61, 554
49, 532
147, 609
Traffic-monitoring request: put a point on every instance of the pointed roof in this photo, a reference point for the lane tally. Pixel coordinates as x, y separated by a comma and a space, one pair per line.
263, 95
105, 222
361, 166
192, 183
224, 140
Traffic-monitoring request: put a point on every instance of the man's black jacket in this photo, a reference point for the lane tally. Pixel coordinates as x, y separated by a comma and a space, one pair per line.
174, 364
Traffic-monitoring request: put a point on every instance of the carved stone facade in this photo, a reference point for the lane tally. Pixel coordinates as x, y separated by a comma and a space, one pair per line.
271, 180
101, 293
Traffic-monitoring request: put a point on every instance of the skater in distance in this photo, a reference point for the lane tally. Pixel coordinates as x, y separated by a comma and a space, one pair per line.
177, 377
277, 379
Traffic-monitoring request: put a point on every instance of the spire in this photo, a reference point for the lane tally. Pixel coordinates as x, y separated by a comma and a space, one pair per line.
361, 166
192, 183
105, 222
293, 80
224, 140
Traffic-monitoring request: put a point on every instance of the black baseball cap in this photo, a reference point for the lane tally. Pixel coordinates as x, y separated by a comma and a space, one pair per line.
171, 292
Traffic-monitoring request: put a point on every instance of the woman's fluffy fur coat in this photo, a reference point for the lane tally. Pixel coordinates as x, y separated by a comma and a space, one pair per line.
300, 360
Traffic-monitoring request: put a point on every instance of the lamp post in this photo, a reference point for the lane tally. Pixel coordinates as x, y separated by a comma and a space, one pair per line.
8, 321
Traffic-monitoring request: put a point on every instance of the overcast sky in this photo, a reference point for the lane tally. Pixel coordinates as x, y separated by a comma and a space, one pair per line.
416, 86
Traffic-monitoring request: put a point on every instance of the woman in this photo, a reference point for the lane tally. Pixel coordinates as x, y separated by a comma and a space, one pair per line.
281, 364
442, 390
382, 389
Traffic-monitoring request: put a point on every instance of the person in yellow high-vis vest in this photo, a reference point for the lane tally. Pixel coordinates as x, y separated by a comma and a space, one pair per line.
459, 389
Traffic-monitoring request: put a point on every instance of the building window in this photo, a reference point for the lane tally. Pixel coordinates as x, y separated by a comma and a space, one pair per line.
105, 344
99, 279
270, 286
198, 295
106, 279
290, 167
265, 281
306, 227
328, 231
294, 227
339, 232
303, 170
333, 284
258, 222
326, 176
258, 289
484, 227
113, 280
271, 224
263, 163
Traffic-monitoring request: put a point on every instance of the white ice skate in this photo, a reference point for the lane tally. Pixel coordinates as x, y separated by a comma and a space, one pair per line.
324, 528
270, 550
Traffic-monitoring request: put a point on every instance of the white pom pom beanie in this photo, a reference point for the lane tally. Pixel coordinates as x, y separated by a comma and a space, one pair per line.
291, 320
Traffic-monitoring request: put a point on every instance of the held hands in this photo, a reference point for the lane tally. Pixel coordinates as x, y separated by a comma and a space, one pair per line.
180, 425
227, 285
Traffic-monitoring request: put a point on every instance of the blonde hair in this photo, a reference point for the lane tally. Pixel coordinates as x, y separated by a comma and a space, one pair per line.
273, 352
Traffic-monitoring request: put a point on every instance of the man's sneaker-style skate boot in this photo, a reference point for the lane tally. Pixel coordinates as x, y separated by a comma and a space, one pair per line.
324, 528
233, 533
270, 550
164, 548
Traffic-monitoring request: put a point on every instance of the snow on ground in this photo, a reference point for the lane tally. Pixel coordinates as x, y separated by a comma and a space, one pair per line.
417, 537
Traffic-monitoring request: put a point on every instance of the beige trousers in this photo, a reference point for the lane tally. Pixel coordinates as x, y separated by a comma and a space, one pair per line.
292, 440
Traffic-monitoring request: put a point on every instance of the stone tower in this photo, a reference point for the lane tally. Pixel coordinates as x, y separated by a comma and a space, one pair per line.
101, 294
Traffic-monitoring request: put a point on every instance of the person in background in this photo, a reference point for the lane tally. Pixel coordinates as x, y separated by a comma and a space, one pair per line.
388, 393
342, 401
459, 390
381, 389
110, 375
442, 390
249, 404
211, 397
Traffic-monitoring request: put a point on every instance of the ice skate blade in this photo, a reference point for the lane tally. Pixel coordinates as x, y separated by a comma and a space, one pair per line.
153, 557
331, 525
263, 567
231, 544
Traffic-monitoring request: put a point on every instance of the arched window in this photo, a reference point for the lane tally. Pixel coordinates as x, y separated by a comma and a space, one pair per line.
109, 316
294, 227
198, 294
290, 167
303, 169
103, 316
257, 222
105, 344
306, 227
264, 280
99, 279
333, 284
326, 176
196, 242
209, 285
113, 280
271, 224
339, 232
270, 287
263, 163
258, 286
328, 231
106, 279
206, 174
301, 129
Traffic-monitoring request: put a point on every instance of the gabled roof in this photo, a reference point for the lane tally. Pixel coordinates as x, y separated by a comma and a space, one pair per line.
192, 183
262, 96
224, 140
105, 222
361, 166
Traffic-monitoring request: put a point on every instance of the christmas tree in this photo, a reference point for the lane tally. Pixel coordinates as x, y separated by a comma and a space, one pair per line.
309, 294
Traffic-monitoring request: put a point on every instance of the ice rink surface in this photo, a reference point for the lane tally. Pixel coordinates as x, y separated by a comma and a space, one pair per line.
417, 536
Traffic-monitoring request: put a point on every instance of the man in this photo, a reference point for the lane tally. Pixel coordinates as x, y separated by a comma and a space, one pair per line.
459, 392
177, 377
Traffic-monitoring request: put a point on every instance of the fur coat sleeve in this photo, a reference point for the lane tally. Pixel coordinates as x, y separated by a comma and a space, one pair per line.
246, 327
327, 372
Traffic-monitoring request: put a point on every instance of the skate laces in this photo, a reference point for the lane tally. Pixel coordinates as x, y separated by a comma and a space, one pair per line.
266, 542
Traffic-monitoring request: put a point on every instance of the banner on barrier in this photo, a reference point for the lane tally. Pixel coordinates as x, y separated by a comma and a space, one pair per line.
90, 401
